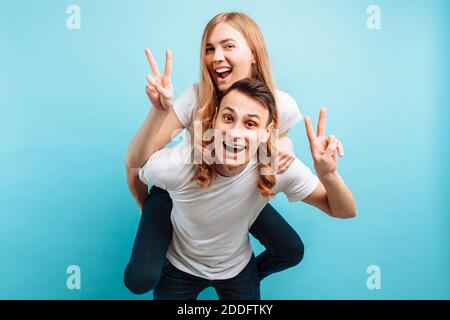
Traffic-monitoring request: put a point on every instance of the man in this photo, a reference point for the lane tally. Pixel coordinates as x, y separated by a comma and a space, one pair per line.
216, 199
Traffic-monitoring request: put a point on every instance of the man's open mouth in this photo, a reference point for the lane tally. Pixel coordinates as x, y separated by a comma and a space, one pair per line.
233, 147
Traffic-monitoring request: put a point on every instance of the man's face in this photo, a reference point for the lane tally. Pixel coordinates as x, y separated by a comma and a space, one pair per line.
240, 127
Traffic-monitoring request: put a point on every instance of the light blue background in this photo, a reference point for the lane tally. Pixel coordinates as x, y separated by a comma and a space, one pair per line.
71, 100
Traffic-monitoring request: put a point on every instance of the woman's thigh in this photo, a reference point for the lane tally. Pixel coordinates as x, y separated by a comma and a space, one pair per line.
268, 227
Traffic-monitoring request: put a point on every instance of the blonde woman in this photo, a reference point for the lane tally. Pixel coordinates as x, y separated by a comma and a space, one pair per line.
232, 48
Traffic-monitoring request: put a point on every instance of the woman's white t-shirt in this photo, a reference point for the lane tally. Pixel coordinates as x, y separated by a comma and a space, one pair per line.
288, 112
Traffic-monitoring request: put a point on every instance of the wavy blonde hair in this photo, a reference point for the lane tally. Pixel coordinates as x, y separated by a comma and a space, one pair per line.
207, 92
208, 95
206, 173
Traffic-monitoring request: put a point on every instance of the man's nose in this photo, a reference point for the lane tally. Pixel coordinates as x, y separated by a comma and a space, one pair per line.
235, 134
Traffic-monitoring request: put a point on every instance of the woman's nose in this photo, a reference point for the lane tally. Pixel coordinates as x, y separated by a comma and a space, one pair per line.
218, 55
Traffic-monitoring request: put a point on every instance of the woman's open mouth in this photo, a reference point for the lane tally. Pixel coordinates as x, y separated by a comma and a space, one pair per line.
222, 74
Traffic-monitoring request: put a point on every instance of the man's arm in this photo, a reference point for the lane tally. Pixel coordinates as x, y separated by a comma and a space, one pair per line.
332, 195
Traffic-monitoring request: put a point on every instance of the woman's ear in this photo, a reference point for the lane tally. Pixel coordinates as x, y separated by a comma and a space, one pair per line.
253, 58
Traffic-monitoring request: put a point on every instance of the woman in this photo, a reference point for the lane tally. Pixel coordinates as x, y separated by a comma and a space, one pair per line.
232, 48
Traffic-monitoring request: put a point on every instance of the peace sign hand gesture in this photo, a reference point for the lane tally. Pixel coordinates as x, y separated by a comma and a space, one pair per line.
159, 88
323, 149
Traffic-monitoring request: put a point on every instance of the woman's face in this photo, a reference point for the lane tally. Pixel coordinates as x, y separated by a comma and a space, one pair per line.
228, 56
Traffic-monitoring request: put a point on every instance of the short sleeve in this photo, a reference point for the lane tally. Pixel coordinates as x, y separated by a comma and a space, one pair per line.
297, 182
289, 112
167, 168
184, 107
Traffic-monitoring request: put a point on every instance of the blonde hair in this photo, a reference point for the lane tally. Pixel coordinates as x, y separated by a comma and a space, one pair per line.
208, 95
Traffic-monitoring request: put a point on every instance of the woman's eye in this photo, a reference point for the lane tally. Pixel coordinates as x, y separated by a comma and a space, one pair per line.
208, 50
251, 124
227, 118
229, 46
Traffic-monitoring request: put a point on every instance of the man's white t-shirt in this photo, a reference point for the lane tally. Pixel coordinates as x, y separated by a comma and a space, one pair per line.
211, 226
289, 114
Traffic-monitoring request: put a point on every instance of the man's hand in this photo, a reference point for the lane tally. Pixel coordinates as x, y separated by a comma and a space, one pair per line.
159, 88
323, 148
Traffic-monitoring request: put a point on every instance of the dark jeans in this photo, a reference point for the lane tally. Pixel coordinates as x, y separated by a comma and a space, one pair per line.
284, 247
179, 285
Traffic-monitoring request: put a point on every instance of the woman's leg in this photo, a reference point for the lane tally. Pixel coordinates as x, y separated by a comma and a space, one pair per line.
150, 246
284, 247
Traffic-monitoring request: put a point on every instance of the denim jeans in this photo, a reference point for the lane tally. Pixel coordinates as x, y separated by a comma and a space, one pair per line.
179, 285
284, 247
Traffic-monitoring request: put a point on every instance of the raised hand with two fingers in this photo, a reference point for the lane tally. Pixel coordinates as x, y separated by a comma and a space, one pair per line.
159, 88
323, 148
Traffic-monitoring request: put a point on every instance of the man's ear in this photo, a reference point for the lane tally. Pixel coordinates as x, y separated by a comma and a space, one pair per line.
266, 134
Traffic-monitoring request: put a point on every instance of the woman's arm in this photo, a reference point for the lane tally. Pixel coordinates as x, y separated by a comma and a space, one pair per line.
147, 139
289, 115
285, 152
169, 130
143, 144
139, 151
170, 124
137, 188
157, 128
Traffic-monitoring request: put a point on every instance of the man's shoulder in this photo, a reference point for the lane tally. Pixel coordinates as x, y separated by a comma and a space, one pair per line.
297, 182
296, 171
173, 154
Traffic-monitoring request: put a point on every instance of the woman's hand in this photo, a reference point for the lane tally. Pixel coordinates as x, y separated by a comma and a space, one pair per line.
323, 149
141, 207
159, 88
285, 153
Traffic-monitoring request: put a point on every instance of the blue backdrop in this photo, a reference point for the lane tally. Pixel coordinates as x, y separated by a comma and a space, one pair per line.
71, 100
